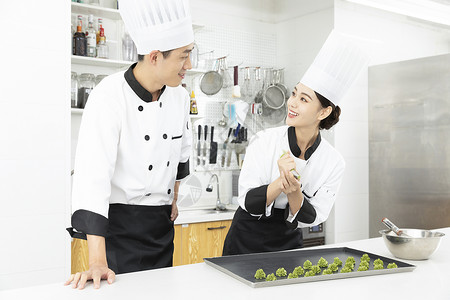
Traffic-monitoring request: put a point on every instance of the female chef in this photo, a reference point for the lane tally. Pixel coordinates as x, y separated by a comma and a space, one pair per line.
133, 148
274, 201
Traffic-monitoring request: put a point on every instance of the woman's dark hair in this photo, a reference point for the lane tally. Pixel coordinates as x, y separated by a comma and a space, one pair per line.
164, 53
333, 118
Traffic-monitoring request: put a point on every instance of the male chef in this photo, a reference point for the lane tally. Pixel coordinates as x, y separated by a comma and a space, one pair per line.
133, 148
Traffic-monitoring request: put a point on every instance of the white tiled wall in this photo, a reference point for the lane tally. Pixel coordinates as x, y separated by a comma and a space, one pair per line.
34, 133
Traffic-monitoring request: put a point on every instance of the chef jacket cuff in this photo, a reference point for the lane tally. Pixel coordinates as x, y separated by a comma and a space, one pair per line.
269, 209
88, 222
256, 199
291, 218
183, 170
307, 213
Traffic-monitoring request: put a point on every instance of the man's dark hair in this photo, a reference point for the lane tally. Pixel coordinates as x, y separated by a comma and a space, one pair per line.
164, 53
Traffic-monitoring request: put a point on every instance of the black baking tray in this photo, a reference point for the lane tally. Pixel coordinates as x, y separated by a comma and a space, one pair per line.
243, 267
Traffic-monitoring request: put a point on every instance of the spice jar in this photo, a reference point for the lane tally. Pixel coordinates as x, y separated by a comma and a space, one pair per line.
86, 84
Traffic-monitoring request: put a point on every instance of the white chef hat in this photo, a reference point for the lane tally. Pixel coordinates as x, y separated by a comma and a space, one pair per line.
336, 67
157, 24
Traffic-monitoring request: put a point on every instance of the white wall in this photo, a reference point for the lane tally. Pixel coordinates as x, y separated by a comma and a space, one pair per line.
35, 145
387, 37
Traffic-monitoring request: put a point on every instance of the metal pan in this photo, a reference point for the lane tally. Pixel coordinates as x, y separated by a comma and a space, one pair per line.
243, 267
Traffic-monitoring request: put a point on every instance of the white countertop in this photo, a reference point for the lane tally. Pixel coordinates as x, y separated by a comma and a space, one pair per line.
206, 214
430, 280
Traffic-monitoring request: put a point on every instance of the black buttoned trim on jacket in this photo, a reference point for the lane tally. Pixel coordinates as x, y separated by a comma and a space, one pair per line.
142, 93
295, 149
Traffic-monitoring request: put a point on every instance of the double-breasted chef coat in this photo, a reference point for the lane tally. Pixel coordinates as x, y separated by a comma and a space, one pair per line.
257, 227
130, 152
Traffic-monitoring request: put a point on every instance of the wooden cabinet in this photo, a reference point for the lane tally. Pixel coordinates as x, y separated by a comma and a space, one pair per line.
192, 243
195, 241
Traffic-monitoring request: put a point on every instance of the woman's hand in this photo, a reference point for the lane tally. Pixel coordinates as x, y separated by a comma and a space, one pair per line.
289, 184
286, 163
96, 272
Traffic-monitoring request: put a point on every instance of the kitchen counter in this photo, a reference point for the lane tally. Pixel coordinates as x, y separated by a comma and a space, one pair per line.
207, 214
430, 280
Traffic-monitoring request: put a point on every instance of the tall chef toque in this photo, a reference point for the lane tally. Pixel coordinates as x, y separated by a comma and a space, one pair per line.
157, 24
336, 67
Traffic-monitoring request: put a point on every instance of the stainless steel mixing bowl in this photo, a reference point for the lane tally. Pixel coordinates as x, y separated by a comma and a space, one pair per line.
415, 244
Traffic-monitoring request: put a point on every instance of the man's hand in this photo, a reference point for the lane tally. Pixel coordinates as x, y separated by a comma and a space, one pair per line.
95, 273
174, 214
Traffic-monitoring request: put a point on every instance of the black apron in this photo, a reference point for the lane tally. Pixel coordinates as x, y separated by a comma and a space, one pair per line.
247, 234
139, 237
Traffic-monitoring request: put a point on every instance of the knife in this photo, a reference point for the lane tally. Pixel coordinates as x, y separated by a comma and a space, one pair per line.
213, 148
224, 147
205, 145
232, 146
199, 146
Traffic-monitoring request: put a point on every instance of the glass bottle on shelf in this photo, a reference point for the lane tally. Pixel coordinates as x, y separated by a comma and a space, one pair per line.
91, 38
86, 84
129, 51
74, 90
100, 25
102, 48
99, 78
79, 39
193, 105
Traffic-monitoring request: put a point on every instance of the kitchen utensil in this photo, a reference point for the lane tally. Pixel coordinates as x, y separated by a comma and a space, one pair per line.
392, 227
240, 145
223, 71
246, 89
419, 245
211, 82
223, 122
256, 111
259, 85
243, 267
279, 82
273, 97
236, 89
199, 146
230, 148
224, 147
213, 148
274, 116
194, 56
205, 145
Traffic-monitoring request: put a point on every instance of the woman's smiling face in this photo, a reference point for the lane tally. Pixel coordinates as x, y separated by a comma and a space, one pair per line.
304, 108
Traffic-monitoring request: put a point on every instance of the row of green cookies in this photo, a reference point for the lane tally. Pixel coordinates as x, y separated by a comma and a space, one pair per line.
313, 270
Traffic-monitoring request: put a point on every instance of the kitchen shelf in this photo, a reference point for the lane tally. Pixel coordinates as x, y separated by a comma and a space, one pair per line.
76, 111
98, 11
101, 62
108, 13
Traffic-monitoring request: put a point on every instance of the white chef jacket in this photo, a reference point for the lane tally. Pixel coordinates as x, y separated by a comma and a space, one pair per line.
130, 151
321, 173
